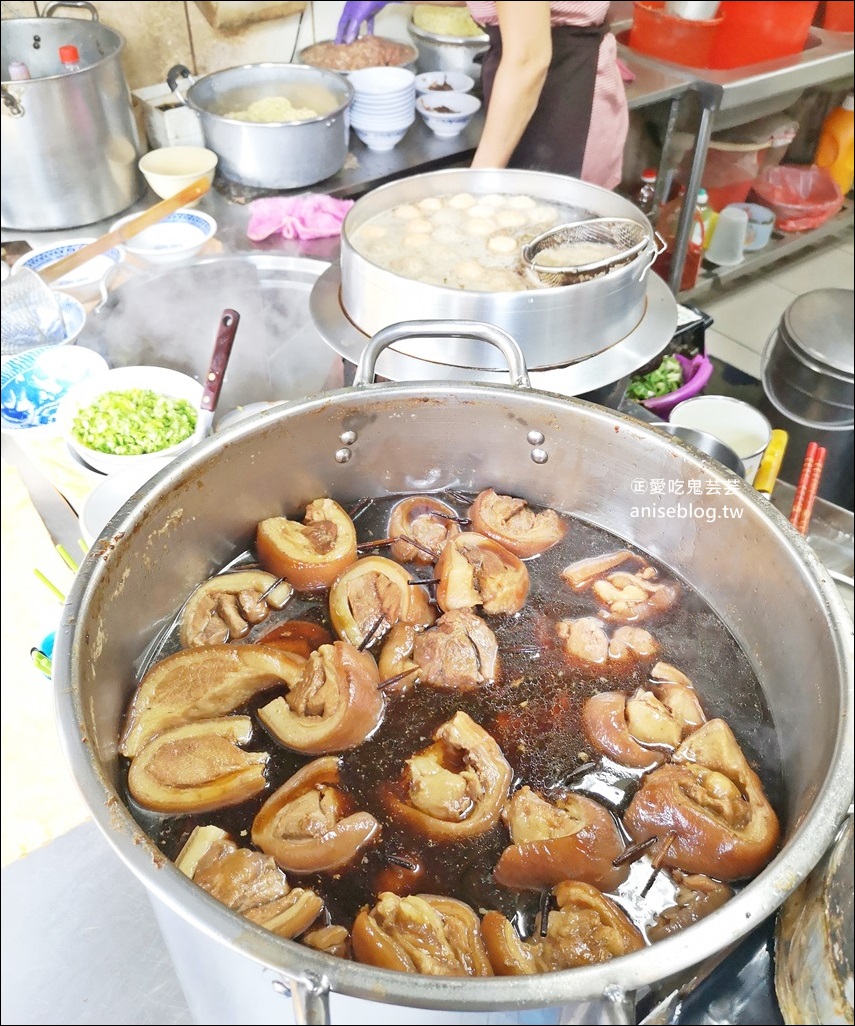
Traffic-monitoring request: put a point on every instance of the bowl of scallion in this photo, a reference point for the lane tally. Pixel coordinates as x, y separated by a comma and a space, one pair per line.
130, 415
674, 378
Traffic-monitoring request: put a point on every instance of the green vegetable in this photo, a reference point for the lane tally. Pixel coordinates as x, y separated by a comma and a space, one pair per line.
134, 422
667, 377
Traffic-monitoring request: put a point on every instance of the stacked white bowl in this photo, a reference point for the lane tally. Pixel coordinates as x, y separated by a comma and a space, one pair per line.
383, 105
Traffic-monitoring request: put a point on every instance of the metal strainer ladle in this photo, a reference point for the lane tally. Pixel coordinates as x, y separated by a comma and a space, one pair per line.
31, 313
625, 238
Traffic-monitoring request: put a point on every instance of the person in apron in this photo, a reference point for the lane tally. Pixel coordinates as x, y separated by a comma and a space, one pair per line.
552, 87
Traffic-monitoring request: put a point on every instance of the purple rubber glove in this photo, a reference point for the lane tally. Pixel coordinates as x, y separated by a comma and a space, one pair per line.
355, 13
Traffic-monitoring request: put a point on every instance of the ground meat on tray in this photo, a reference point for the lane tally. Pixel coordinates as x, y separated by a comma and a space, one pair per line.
365, 52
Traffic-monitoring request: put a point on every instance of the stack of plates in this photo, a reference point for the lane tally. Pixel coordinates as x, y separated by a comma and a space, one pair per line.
383, 105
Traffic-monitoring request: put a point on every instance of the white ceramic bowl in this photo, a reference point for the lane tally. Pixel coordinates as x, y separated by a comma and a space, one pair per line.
108, 497
381, 140
176, 238
732, 421
383, 82
450, 122
83, 283
73, 318
447, 81
170, 169
34, 383
161, 380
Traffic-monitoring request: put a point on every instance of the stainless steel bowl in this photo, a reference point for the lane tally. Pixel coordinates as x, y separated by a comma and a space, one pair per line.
706, 443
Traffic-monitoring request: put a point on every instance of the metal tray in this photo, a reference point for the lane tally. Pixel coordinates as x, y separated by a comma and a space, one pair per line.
619, 361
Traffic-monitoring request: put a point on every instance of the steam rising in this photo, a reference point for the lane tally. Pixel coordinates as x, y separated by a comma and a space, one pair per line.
171, 320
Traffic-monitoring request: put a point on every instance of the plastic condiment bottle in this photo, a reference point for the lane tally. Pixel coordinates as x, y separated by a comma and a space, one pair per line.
70, 58
708, 215
18, 71
835, 148
647, 191
694, 250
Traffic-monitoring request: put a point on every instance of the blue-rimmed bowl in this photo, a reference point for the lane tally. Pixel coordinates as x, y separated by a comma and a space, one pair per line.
84, 282
176, 238
33, 383
447, 114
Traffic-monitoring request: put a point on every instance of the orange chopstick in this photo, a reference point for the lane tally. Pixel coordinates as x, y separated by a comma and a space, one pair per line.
812, 489
802, 486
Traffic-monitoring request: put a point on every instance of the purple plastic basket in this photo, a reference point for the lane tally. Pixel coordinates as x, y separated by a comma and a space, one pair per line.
696, 374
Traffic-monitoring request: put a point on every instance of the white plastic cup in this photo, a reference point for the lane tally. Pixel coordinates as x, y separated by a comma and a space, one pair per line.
728, 241
693, 10
734, 422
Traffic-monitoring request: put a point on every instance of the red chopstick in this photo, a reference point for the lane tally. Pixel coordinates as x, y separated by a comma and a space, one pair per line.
807, 488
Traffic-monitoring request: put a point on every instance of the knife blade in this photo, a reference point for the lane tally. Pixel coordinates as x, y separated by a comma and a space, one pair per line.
58, 517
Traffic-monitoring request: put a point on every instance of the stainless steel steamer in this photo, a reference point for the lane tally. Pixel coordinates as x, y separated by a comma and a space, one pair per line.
553, 326
202, 510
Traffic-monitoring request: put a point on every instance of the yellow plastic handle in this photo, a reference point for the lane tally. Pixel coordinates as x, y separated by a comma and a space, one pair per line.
770, 465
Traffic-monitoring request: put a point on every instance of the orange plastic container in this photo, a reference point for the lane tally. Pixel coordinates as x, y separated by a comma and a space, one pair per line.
658, 34
760, 30
839, 16
837, 143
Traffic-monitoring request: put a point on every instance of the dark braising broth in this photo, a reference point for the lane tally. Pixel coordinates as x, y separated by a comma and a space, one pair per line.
532, 711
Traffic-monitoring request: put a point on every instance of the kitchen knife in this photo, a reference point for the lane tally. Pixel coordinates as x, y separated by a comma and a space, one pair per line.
58, 517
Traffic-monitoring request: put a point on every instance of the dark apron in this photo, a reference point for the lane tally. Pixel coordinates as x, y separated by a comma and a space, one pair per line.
555, 138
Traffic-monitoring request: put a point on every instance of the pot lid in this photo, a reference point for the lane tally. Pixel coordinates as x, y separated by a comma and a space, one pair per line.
819, 325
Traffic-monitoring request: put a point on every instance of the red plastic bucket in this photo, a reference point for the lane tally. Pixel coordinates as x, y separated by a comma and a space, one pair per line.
839, 16
756, 30
659, 34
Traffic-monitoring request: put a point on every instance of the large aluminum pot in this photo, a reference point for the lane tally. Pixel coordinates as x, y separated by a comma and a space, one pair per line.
70, 142
282, 155
553, 326
201, 511
449, 53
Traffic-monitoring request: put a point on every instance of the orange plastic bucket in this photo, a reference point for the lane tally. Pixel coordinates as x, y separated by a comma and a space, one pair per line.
658, 34
756, 30
839, 16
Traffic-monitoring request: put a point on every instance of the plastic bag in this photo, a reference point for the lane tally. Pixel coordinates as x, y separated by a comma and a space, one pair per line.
802, 196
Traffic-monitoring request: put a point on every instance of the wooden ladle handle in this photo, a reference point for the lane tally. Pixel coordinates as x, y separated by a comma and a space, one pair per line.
53, 272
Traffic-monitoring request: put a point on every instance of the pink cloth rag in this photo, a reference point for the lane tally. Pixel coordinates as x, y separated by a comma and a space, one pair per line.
310, 216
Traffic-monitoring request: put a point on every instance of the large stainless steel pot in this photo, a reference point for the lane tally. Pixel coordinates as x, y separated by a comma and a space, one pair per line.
70, 142
449, 53
553, 326
284, 155
756, 571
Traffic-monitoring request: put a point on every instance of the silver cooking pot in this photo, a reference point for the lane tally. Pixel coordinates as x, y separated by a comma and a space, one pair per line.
69, 139
553, 326
449, 53
282, 155
202, 510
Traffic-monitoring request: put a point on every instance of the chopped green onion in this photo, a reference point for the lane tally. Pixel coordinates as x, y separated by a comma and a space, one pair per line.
134, 422
667, 377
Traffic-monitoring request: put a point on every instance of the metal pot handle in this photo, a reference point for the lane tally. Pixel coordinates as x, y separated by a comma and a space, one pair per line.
175, 74
48, 11
658, 248
476, 330
12, 103
310, 996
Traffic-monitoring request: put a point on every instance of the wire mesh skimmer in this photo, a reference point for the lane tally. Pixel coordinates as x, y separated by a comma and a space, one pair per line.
620, 238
